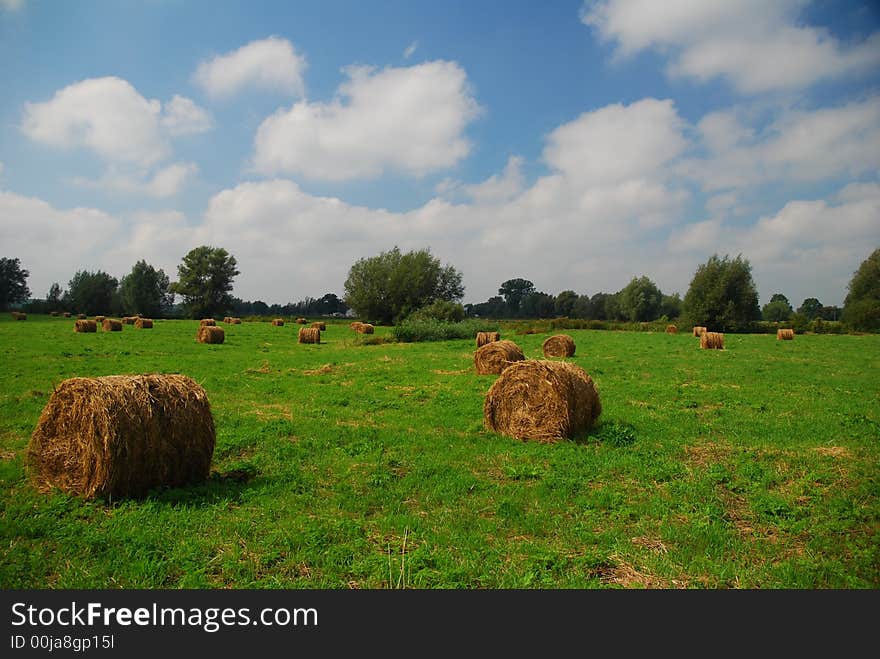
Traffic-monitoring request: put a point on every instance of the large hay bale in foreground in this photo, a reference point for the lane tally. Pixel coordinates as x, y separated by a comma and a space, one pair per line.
309, 335
672, 329
321, 325
278, 322
712, 341
365, 328
487, 337
85, 326
144, 323
542, 400
558, 345
785, 335
698, 330
496, 356
207, 322
210, 334
122, 435
111, 325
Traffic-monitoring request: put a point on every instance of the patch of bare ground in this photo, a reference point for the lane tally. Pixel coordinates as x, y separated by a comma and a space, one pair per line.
263, 369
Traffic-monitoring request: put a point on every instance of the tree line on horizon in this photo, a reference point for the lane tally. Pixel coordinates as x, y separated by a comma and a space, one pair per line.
395, 286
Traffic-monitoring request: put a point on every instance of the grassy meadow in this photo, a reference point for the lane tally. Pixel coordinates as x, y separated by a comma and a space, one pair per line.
342, 465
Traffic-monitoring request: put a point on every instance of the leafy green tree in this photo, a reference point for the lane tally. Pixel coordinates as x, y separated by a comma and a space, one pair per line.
388, 287
145, 291
861, 308
640, 300
722, 295
612, 307
565, 302
13, 283
537, 305
582, 307
54, 297
204, 281
599, 304
494, 307
777, 309
811, 307
91, 292
513, 291
442, 310
671, 306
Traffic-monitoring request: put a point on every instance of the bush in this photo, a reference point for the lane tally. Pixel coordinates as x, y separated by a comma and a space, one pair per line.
442, 310
414, 330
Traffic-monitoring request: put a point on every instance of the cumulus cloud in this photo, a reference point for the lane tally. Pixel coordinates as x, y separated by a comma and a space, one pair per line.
498, 188
268, 64
408, 120
181, 116
757, 46
164, 183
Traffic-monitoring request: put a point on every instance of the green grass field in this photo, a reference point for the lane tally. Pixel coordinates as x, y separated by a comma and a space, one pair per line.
367, 466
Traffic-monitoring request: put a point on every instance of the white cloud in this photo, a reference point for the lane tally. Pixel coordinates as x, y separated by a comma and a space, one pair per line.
410, 49
405, 120
756, 45
181, 116
11, 5
269, 64
497, 188
164, 183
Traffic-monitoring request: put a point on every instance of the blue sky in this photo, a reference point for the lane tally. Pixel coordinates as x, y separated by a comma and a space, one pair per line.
575, 144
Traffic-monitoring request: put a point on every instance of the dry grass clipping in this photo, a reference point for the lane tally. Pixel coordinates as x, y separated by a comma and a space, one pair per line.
207, 322
496, 356
210, 334
785, 335
487, 337
111, 325
278, 322
671, 329
698, 330
85, 326
144, 323
712, 341
365, 328
558, 345
321, 325
122, 435
542, 400
309, 335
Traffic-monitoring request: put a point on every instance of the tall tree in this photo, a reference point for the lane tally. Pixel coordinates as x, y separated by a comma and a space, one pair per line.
861, 308
388, 287
54, 297
204, 281
13, 283
537, 304
810, 307
513, 291
640, 300
671, 306
777, 309
145, 291
91, 292
565, 301
722, 295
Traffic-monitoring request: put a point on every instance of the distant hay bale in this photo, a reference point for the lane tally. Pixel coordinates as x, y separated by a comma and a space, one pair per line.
354, 325
99, 319
235, 321
144, 323
321, 325
122, 435
302, 321
85, 326
81, 316
227, 319
487, 337
111, 325
54, 314
309, 335
365, 328
784, 334
207, 322
18, 315
698, 330
495, 356
542, 400
129, 320
278, 322
210, 334
671, 329
558, 345
712, 341
66, 314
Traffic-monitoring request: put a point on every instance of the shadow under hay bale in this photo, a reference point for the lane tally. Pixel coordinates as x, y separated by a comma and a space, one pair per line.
496, 356
144, 323
542, 400
487, 337
278, 322
85, 326
122, 435
671, 329
365, 328
111, 325
210, 334
559, 345
309, 335
699, 330
785, 335
712, 341
207, 322
321, 325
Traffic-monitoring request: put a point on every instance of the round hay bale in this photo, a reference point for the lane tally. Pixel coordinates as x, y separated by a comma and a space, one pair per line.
236, 321
559, 345
129, 320
227, 319
278, 322
355, 325
143, 323
207, 322
321, 325
54, 314
487, 337
496, 356
301, 321
712, 341
111, 325
698, 330
785, 335
671, 329
210, 334
122, 435
365, 328
85, 326
66, 314
99, 319
309, 335
542, 400
81, 316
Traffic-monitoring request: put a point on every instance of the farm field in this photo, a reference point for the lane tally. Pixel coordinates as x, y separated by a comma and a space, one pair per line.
342, 465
